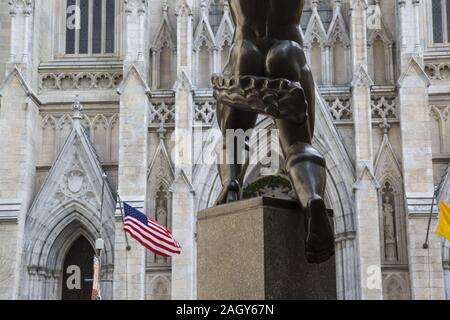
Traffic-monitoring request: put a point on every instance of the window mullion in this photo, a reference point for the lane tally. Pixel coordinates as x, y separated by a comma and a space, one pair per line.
77, 32
90, 23
103, 40
444, 21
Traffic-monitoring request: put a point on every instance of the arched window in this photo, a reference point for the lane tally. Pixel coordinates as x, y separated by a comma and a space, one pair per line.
340, 67
204, 66
379, 61
441, 21
93, 31
316, 61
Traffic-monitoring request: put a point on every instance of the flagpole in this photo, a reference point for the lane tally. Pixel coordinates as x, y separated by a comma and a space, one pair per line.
425, 244
104, 177
99, 243
128, 247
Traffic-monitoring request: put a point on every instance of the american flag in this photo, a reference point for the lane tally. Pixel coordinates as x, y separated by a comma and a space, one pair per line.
150, 234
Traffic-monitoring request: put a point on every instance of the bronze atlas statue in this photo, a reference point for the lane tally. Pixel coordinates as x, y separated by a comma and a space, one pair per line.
267, 73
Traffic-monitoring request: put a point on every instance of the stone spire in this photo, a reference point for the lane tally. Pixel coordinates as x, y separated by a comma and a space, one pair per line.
204, 9
385, 126
77, 108
161, 131
226, 6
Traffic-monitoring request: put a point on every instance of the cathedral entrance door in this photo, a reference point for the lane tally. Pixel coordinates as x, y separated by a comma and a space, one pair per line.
78, 271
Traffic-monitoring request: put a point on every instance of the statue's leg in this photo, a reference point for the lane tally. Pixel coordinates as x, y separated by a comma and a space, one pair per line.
245, 59
232, 174
306, 168
304, 164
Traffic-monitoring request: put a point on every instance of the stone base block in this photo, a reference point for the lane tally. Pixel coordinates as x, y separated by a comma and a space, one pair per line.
254, 249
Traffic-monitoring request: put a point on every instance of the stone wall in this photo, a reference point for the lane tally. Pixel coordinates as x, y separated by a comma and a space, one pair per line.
5, 34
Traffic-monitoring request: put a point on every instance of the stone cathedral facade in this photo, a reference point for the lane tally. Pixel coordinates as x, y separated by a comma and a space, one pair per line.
141, 70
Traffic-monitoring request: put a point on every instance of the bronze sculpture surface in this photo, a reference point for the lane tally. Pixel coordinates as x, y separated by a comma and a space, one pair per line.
267, 73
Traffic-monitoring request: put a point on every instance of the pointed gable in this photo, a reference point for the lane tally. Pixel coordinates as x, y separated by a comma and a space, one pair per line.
412, 72
76, 175
382, 33
184, 8
182, 184
203, 32
366, 175
134, 78
183, 83
362, 77
161, 167
338, 28
70, 201
315, 29
225, 31
386, 163
16, 80
165, 36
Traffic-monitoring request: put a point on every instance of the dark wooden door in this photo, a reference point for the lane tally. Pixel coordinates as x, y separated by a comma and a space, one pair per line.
78, 271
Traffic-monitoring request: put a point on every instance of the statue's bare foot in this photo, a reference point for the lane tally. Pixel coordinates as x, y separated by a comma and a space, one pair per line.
229, 193
319, 233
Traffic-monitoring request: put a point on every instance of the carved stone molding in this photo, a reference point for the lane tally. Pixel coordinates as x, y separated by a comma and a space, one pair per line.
438, 71
340, 108
80, 81
205, 112
384, 108
74, 184
162, 112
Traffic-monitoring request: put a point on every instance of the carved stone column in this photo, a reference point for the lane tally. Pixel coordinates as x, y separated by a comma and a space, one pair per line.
365, 188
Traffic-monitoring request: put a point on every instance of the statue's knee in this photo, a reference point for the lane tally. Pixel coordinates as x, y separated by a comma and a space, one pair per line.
284, 61
303, 152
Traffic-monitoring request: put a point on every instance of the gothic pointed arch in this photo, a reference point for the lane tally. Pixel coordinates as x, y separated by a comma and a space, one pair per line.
339, 41
396, 287
315, 40
203, 32
161, 170
99, 135
165, 36
383, 33
225, 31
315, 29
68, 204
394, 249
393, 223
204, 46
386, 162
183, 8
224, 35
48, 139
160, 287
338, 27
164, 53
159, 197
381, 45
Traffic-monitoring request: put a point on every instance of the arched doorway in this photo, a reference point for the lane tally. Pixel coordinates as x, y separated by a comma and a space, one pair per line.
78, 271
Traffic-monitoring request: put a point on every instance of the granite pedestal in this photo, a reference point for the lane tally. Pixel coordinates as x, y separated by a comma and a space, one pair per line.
254, 249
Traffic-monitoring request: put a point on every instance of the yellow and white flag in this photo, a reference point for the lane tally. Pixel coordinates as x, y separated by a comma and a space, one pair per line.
444, 221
